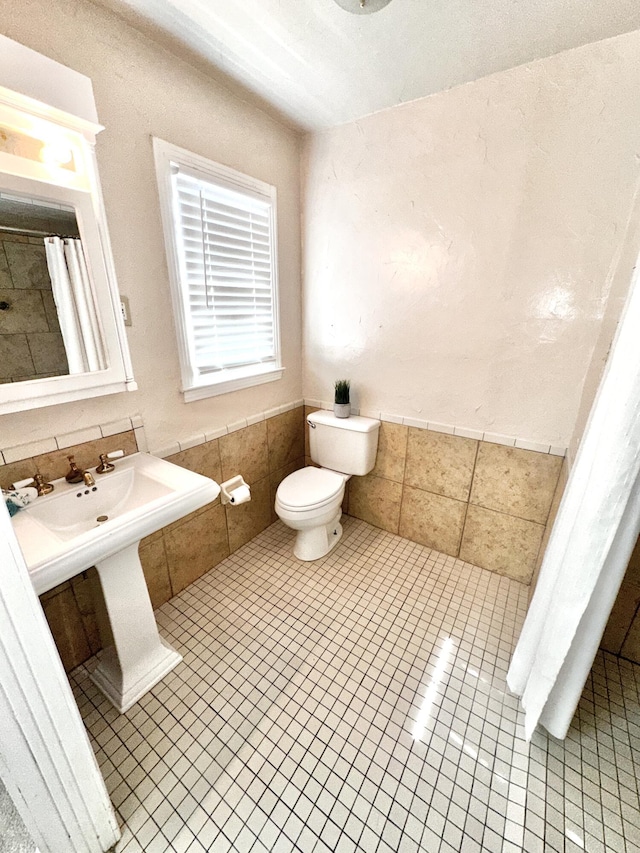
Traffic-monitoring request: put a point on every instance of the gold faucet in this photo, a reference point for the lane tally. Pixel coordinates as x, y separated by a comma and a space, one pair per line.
40, 485
105, 465
74, 474
88, 478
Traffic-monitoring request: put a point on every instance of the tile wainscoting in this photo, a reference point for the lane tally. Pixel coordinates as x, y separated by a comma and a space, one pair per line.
486, 503
264, 453
491, 505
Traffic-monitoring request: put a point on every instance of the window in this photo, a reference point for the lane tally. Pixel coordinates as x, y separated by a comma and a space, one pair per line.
220, 235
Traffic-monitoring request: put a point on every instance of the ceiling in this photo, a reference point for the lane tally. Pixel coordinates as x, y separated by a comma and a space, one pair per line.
318, 65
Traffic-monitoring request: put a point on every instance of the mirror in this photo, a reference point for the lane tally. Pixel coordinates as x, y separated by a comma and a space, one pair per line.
36, 339
62, 337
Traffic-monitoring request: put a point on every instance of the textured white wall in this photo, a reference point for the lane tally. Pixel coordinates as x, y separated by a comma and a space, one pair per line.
141, 90
458, 248
622, 273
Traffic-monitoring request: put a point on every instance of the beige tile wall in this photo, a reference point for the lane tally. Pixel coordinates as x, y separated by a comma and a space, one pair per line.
485, 503
178, 554
55, 464
555, 505
622, 634
489, 504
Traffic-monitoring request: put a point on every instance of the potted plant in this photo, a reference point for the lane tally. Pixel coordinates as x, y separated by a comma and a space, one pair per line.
341, 405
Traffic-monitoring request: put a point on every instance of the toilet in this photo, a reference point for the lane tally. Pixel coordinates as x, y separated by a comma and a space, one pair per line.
310, 500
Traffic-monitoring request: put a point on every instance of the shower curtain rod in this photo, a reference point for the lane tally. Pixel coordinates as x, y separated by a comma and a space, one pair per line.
33, 232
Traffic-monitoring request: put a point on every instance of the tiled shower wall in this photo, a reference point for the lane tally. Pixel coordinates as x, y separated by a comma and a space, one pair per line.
31, 345
175, 556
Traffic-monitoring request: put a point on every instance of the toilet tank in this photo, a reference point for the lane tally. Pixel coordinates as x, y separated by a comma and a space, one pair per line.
348, 445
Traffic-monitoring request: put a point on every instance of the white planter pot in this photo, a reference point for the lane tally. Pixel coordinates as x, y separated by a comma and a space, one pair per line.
342, 410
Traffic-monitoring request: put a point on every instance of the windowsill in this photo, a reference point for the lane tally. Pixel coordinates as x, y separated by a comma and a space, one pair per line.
215, 389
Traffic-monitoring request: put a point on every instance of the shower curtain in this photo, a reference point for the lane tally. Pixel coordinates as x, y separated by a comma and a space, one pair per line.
75, 301
594, 534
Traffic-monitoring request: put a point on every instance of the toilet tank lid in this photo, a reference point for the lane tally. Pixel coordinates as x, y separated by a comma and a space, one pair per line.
354, 423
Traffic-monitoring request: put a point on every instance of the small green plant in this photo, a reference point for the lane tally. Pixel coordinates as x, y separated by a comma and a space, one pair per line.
342, 391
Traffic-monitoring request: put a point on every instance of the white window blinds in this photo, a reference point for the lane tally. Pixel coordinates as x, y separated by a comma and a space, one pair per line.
225, 246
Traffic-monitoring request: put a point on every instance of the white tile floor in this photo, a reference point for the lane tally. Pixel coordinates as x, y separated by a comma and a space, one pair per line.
358, 704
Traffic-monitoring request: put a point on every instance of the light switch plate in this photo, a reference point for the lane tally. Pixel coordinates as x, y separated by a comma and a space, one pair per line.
126, 311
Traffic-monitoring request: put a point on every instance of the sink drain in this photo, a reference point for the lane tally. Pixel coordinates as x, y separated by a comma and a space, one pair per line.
102, 518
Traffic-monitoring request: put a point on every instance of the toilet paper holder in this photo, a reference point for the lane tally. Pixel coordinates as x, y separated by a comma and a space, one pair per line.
228, 488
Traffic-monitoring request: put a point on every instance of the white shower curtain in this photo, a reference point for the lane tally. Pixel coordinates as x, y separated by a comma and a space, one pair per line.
74, 298
592, 539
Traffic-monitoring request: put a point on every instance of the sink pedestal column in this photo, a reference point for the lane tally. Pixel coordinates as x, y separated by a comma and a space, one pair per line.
139, 658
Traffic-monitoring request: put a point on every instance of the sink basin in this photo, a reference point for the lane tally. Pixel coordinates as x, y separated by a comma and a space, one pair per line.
80, 526
78, 508
59, 533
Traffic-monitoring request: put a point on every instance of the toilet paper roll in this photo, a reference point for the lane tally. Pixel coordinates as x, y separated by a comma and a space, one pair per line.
240, 495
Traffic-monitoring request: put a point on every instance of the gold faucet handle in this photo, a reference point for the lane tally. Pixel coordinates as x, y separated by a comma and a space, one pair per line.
74, 474
105, 465
40, 485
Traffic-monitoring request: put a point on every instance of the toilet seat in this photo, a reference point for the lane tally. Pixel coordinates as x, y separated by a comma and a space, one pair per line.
310, 488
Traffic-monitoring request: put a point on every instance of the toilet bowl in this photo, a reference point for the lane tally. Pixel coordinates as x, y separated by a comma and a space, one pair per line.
310, 502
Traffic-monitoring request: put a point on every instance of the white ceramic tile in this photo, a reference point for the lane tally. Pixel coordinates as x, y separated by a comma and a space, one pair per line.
316, 404
141, 439
255, 419
537, 446
497, 438
417, 422
168, 450
236, 425
436, 427
114, 427
467, 433
33, 448
78, 437
557, 451
136, 421
215, 433
392, 419
278, 733
370, 413
193, 441
272, 413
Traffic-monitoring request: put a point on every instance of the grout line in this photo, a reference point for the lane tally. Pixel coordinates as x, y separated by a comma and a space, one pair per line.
635, 616
468, 501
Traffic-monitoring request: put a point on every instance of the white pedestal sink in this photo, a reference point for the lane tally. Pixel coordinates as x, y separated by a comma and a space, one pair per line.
60, 536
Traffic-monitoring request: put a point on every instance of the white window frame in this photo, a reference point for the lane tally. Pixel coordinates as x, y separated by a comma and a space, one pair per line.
197, 385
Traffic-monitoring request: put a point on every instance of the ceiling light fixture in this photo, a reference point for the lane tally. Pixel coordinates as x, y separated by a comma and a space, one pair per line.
362, 7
